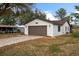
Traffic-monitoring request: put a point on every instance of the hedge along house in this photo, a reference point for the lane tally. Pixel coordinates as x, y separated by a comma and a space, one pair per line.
46, 27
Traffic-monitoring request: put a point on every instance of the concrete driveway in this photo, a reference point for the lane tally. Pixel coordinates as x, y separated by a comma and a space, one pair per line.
13, 40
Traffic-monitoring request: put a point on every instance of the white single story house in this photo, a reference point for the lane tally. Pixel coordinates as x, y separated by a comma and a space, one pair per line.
46, 27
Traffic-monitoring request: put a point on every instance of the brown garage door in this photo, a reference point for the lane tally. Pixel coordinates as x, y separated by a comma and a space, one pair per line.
37, 30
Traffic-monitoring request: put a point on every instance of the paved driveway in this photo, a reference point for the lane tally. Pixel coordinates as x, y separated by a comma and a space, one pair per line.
13, 40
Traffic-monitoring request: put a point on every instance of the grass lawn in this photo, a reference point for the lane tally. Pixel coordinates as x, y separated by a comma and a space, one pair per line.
7, 35
61, 45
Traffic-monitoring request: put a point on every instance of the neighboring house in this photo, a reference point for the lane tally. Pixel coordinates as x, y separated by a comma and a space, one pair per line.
47, 28
11, 28
7, 28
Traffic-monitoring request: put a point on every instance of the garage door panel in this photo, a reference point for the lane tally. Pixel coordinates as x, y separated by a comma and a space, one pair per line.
37, 30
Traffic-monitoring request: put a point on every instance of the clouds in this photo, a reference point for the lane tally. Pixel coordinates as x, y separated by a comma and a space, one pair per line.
76, 12
50, 16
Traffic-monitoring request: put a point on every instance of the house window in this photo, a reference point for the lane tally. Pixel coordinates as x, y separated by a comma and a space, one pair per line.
65, 28
58, 28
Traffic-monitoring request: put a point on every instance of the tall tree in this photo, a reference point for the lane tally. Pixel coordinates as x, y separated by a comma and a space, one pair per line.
68, 18
10, 11
25, 18
8, 20
39, 14
15, 8
61, 13
77, 8
31, 15
76, 15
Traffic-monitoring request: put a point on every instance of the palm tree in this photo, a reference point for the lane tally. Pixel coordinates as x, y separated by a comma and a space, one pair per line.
61, 13
68, 18
76, 14
77, 8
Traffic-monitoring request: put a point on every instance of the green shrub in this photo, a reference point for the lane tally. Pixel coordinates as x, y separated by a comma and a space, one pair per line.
54, 48
75, 34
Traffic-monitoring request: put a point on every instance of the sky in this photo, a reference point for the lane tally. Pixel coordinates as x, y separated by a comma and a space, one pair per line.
51, 8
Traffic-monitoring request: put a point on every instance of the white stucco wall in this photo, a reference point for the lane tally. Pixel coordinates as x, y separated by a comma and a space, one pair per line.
40, 23
68, 27
62, 29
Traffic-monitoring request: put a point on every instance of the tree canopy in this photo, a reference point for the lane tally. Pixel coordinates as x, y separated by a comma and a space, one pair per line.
16, 8
76, 15
10, 11
61, 13
39, 14
30, 15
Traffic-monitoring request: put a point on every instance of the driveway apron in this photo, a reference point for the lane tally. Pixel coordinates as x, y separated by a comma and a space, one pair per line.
13, 40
